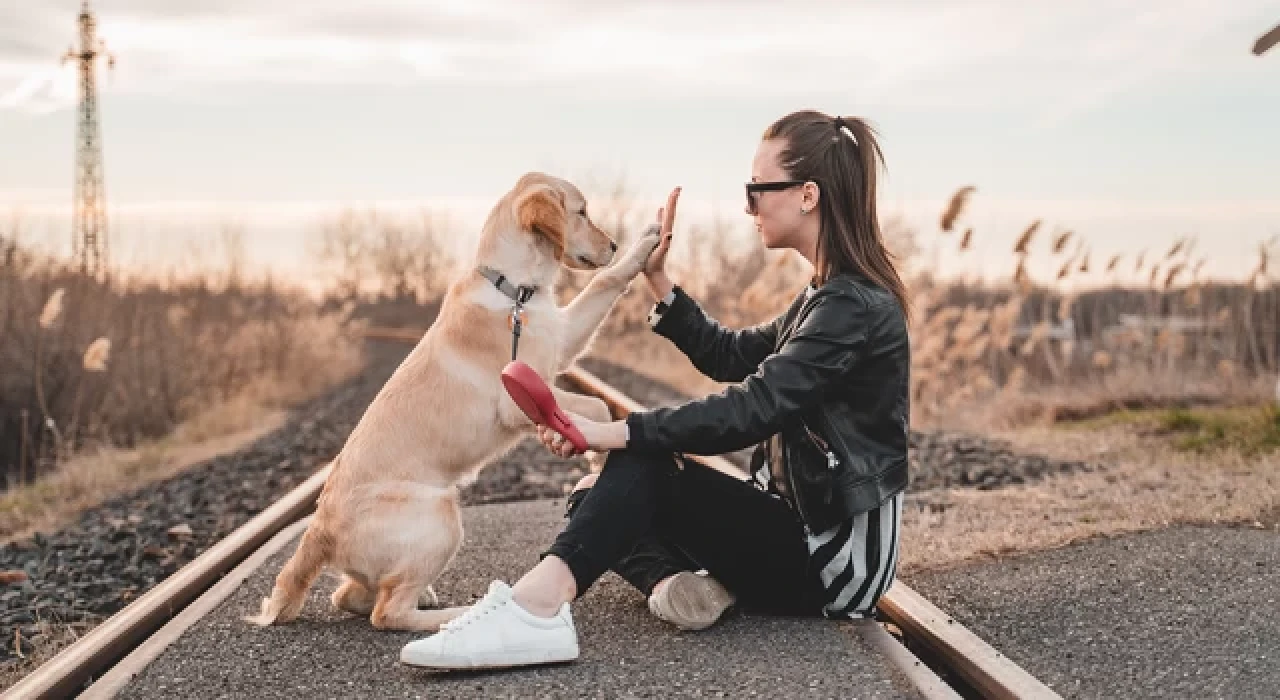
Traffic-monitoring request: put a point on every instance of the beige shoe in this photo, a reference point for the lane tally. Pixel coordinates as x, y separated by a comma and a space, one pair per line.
690, 601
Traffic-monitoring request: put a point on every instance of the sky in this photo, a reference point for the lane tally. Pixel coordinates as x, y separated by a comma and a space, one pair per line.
1131, 123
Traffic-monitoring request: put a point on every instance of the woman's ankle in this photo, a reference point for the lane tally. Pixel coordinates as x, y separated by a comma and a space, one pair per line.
546, 587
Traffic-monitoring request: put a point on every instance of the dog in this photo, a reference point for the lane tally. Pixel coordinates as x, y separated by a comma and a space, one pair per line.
388, 516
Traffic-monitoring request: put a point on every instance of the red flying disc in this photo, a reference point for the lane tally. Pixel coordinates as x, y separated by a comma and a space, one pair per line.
534, 397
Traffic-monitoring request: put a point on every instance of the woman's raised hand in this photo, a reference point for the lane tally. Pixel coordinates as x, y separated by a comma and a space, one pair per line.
654, 269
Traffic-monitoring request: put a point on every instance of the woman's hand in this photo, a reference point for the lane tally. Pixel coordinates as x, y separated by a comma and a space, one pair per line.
600, 436
654, 268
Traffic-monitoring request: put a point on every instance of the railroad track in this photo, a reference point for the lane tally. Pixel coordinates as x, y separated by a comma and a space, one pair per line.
103, 660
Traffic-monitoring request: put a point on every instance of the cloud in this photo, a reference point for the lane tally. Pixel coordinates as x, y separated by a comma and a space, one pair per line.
1048, 61
43, 90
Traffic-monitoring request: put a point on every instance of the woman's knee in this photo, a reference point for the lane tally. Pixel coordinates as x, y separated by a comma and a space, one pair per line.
586, 482
648, 462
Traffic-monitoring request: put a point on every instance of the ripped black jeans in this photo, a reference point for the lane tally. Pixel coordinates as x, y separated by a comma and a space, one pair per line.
651, 515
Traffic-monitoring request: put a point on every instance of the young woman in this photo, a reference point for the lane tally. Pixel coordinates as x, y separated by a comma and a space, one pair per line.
822, 390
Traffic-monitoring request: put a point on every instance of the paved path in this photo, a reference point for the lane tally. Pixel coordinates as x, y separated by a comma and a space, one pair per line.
1178, 613
625, 651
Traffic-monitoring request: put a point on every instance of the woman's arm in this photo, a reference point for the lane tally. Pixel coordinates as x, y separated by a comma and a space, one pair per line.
828, 342
723, 354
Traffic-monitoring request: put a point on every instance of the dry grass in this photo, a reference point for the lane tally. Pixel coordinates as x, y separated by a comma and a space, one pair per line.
1150, 484
51, 637
88, 479
88, 366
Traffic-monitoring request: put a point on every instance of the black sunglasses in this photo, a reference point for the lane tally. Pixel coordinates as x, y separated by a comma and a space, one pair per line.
754, 187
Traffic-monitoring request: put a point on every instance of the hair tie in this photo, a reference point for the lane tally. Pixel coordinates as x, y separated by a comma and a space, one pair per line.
841, 128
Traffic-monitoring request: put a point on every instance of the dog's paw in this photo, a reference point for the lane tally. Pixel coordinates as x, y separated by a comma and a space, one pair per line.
632, 263
268, 615
428, 598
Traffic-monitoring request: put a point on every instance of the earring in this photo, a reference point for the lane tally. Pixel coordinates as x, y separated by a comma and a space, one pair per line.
804, 210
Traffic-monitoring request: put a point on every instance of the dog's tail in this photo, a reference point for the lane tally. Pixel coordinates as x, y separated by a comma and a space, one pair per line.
295, 579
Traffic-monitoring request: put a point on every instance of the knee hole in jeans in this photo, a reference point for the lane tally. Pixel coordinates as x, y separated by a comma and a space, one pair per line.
586, 482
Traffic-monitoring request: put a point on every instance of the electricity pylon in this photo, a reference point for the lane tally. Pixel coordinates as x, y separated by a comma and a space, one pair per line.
89, 218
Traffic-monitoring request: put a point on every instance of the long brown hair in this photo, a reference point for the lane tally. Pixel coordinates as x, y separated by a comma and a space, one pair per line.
842, 156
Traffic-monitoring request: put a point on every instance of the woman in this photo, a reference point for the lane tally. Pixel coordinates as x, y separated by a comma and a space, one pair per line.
823, 389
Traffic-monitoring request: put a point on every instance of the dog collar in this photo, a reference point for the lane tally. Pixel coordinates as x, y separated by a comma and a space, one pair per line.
518, 295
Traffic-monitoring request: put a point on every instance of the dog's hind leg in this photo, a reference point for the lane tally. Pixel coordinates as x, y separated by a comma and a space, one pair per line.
353, 597
292, 583
397, 609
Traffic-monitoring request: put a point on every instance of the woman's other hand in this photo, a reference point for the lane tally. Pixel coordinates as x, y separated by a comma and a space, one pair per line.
555, 442
600, 436
655, 268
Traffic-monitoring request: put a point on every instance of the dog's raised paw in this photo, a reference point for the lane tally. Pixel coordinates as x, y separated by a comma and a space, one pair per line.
638, 254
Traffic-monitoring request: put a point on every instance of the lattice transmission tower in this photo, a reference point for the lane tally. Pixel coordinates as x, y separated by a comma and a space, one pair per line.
89, 217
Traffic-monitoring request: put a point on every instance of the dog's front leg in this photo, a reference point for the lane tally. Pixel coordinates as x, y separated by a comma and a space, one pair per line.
587, 310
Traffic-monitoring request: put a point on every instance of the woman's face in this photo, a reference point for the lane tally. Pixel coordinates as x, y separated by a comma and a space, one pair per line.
780, 216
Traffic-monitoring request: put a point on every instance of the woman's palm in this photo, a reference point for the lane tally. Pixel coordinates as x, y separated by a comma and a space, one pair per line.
666, 218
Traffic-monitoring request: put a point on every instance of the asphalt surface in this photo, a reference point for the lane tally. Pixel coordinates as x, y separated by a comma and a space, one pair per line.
1187, 612
625, 651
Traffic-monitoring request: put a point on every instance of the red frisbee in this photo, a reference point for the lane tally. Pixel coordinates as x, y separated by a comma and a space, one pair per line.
534, 397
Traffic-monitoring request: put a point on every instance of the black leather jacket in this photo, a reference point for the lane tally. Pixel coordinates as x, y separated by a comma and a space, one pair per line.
837, 362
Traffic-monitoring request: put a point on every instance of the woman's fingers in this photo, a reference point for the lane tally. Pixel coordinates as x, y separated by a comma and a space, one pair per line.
668, 213
555, 442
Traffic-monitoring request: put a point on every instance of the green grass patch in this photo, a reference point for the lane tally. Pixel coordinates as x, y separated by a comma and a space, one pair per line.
1248, 429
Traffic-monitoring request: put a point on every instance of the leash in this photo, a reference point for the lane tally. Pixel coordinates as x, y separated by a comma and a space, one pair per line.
518, 295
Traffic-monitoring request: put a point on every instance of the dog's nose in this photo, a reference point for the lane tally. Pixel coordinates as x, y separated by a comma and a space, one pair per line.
613, 246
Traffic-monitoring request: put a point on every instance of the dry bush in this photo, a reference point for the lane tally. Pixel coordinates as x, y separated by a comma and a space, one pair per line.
389, 270
114, 363
1006, 354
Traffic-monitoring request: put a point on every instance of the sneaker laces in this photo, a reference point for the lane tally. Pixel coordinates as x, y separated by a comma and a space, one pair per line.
479, 609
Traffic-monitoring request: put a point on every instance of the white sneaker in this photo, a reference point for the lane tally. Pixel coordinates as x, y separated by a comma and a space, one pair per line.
495, 633
690, 601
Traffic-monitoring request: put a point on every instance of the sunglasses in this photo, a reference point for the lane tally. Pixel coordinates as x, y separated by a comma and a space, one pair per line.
754, 187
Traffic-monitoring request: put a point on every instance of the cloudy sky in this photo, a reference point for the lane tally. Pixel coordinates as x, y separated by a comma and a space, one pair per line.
1131, 122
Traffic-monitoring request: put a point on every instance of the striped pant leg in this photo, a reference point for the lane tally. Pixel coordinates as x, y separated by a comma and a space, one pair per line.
857, 560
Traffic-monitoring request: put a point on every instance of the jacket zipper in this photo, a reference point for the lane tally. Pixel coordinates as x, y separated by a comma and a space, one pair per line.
807, 304
832, 460
795, 494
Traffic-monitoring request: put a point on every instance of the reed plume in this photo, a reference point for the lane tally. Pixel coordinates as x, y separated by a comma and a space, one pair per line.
1025, 239
955, 207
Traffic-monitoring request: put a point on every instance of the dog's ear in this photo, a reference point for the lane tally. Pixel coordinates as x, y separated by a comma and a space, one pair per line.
540, 208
